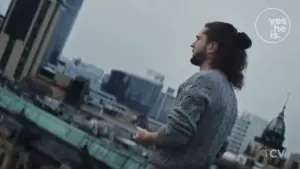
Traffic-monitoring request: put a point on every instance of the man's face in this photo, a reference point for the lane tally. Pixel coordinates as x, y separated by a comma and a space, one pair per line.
199, 49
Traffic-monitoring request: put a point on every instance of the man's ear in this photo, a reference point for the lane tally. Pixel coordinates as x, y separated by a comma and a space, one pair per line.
211, 47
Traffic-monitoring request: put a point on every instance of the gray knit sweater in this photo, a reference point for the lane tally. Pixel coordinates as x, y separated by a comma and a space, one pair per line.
201, 119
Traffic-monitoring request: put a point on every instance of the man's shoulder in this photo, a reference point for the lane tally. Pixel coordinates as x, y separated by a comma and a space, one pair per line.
212, 76
204, 78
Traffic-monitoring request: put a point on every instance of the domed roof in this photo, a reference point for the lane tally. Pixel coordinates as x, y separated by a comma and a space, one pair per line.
277, 125
274, 133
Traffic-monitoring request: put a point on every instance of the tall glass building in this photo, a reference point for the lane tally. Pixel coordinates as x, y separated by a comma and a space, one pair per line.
24, 34
62, 31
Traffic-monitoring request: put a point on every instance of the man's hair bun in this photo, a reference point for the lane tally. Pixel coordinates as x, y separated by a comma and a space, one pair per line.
242, 40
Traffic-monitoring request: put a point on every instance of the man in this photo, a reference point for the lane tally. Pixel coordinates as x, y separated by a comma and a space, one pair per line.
205, 107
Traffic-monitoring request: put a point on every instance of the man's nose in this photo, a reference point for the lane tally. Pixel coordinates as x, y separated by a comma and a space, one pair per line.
193, 45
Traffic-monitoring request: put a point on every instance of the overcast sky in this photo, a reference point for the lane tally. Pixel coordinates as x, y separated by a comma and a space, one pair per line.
134, 35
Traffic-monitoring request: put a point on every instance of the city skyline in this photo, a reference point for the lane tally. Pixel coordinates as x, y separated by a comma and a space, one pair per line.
129, 36
129, 31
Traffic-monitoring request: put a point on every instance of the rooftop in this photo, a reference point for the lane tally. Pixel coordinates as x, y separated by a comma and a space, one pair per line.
97, 148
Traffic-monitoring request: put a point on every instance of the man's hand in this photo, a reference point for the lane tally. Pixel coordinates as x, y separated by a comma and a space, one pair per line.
145, 137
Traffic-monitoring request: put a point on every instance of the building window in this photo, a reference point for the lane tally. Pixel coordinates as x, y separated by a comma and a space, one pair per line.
6, 54
21, 18
36, 27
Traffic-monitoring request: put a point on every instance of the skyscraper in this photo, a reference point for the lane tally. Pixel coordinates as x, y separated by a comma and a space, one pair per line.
163, 105
246, 127
62, 30
25, 34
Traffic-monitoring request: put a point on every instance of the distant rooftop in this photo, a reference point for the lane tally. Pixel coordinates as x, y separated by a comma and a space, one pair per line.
151, 76
98, 149
117, 158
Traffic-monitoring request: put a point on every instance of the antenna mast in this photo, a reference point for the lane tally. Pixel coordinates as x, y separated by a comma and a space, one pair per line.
286, 101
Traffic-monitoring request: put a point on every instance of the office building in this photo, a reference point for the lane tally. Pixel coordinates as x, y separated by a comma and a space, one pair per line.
163, 105
77, 68
116, 84
62, 30
142, 93
76, 91
136, 92
245, 129
25, 34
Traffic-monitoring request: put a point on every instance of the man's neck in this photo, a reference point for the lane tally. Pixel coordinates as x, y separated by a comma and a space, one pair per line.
205, 66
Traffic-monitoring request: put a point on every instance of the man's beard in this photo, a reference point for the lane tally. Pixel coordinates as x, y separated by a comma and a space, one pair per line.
198, 59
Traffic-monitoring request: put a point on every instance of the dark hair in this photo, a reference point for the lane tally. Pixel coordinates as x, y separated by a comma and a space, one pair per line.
231, 57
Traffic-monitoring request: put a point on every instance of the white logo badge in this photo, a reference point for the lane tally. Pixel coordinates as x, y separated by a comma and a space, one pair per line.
272, 25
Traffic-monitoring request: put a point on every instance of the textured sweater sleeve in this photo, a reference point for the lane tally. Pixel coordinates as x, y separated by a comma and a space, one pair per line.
195, 97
